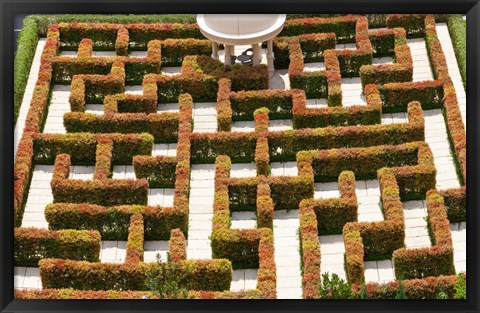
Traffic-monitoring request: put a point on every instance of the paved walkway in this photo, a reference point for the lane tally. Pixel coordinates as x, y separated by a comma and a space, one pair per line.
416, 229
202, 190
453, 70
421, 63
27, 96
287, 254
459, 238
205, 117
437, 138
244, 279
39, 195
332, 255
59, 105
379, 271
26, 278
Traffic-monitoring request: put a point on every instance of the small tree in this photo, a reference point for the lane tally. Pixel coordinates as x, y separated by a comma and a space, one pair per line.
335, 288
167, 279
461, 287
401, 291
441, 294
363, 291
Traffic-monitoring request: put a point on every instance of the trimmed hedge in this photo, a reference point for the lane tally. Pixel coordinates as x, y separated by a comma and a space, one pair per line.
103, 162
244, 104
313, 46
158, 170
214, 275
364, 162
82, 147
304, 117
380, 239
437, 219
342, 26
240, 147
285, 145
135, 239
455, 204
383, 41
113, 222
354, 254
114, 294
163, 127
309, 251
436, 260
22, 175
455, 126
240, 246
397, 96
177, 246
224, 108
426, 288
332, 214
33, 244
175, 50
26, 46
313, 83
400, 71
241, 77
412, 23
102, 192
458, 33
424, 262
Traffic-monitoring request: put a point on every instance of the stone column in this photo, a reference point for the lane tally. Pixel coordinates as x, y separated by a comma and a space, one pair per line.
228, 54
271, 67
214, 50
256, 54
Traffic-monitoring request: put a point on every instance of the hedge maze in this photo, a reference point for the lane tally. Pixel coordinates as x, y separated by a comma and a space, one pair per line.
333, 144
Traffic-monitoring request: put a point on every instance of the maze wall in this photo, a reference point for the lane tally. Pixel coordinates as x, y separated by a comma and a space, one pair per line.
350, 160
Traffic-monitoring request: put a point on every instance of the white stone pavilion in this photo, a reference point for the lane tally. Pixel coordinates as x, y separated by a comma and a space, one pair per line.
242, 29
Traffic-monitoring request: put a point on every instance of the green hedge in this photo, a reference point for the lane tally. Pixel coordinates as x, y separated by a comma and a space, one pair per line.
458, 33
26, 46
240, 246
82, 147
158, 170
45, 21
214, 275
425, 262
33, 244
113, 222
163, 126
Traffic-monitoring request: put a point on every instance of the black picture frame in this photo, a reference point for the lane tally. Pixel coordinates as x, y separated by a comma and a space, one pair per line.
11, 8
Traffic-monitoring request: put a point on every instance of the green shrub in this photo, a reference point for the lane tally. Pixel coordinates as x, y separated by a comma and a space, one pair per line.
461, 287
401, 291
335, 288
166, 279
458, 33
26, 46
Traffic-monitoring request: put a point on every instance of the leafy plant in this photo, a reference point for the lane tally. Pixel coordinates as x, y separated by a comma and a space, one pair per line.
461, 287
401, 291
441, 294
363, 291
166, 279
335, 288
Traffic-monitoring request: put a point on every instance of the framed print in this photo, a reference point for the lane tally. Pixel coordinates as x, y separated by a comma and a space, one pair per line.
215, 156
